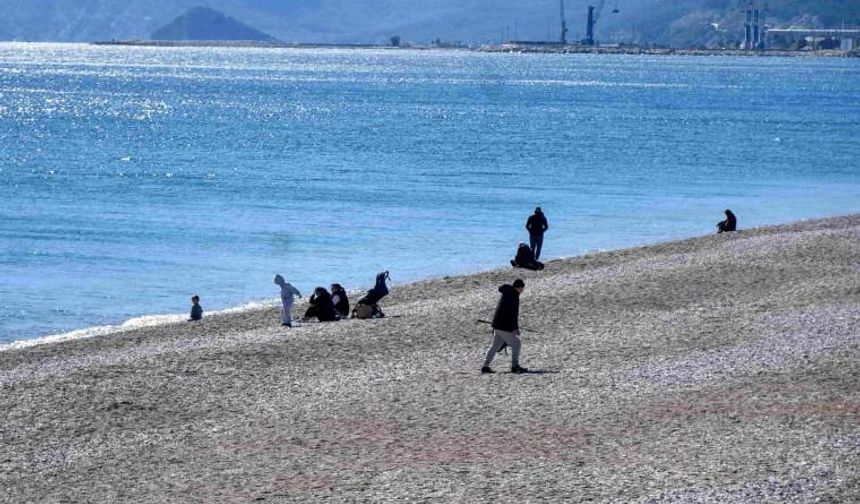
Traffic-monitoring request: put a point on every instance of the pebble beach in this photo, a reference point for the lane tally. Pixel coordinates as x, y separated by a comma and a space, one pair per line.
718, 369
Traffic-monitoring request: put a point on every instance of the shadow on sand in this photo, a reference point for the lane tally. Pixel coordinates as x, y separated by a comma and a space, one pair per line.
542, 372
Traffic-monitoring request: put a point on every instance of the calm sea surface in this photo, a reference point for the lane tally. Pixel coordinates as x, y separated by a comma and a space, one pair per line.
131, 178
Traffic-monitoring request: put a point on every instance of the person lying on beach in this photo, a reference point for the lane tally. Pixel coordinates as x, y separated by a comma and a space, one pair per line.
730, 224
196, 309
368, 306
340, 301
525, 259
320, 306
288, 295
506, 327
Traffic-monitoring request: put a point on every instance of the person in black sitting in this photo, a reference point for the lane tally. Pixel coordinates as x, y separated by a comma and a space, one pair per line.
536, 226
340, 301
526, 259
320, 306
730, 224
196, 309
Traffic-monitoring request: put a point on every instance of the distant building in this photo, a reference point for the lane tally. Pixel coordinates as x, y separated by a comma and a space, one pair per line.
813, 38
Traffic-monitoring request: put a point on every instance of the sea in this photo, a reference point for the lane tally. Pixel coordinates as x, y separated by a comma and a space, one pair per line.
132, 178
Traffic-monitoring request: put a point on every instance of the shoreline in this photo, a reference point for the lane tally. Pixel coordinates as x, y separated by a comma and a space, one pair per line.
507, 47
720, 368
156, 320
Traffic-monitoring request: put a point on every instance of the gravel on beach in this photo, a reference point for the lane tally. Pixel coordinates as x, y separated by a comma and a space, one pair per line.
720, 369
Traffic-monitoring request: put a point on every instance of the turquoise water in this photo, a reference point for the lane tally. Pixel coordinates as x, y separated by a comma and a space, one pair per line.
131, 178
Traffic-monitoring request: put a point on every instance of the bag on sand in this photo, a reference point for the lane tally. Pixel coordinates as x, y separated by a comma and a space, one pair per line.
362, 311
366, 311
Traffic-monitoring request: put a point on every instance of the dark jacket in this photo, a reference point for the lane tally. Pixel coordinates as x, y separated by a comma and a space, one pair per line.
379, 291
525, 257
731, 222
342, 305
537, 224
322, 306
196, 312
508, 310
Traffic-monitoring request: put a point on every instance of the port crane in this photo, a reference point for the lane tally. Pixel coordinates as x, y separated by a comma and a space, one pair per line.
593, 17
563, 25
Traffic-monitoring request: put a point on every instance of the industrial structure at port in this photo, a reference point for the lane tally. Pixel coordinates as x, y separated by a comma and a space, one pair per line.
757, 36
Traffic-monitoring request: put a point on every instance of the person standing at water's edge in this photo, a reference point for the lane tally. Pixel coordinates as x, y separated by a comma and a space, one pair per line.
537, 225
288, 295
506, 327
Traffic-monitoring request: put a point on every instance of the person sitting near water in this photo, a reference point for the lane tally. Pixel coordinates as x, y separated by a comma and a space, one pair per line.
368, 306
526, 259
196, 309
730, 224
288, 296
320, 306
340, 301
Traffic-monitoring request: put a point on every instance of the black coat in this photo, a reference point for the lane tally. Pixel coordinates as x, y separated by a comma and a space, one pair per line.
507, 313
379, 291
731, 222
323, 308
525, 257
537, 224
342, 305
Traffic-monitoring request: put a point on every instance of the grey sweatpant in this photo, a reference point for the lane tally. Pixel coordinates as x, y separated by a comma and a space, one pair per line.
286, 309
500, 337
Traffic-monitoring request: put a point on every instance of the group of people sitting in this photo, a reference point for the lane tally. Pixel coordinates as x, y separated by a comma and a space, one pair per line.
326, 306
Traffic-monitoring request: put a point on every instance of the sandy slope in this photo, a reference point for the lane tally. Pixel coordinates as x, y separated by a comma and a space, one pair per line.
718, 369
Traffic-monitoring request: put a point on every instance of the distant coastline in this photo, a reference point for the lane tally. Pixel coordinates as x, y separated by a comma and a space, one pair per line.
242, 44
512, 47
543, 48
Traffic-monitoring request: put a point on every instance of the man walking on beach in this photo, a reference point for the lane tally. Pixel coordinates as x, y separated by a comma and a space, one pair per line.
506, 327
536, 226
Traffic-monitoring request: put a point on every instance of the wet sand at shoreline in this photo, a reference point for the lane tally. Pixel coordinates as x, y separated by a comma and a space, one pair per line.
715, 369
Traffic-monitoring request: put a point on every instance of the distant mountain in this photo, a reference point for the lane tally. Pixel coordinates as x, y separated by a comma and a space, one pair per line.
680, 23
203, 23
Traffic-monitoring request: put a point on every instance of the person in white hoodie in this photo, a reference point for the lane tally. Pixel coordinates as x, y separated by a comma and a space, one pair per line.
288, 294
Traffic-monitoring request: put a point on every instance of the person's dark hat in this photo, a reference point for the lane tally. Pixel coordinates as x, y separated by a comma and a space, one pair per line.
519, 283
538, 210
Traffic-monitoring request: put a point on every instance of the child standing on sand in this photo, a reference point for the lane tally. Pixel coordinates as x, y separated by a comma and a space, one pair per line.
288, 293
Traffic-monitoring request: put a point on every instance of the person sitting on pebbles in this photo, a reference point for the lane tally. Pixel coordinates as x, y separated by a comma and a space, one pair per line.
340, 300
320, 306
728, 225
196, 309
526, 259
